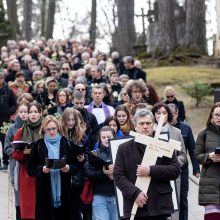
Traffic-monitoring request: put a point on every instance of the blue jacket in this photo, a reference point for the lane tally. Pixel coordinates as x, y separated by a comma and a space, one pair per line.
189, 142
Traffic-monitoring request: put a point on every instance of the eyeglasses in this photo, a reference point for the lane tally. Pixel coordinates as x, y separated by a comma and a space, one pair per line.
51, 129
65, 68
170, 96
216, 115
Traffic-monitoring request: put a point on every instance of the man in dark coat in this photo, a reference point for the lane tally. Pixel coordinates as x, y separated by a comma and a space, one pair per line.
7, 108
132, 71
189, 142
78, 103
157, 203
62, 82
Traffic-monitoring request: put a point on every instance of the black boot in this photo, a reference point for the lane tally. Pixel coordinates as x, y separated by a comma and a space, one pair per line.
18, 213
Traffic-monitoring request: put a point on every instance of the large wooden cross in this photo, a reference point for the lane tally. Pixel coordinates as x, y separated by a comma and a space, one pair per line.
155, 148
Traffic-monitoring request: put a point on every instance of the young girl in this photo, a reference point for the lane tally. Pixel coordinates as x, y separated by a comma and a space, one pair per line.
104, 200
29, 133
61, 101
123, 116
21, 117
113, 122
73, 128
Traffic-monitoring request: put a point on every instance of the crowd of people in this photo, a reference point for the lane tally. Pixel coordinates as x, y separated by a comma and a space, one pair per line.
59, 95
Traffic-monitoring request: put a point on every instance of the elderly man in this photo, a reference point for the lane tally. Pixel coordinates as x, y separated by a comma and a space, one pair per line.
157, 203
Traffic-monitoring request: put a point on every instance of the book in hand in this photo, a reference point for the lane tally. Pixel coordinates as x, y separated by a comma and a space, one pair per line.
55, 163
77, 149
20, 145
97, 160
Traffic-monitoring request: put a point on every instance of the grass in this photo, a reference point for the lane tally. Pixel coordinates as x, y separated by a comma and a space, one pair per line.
177, 76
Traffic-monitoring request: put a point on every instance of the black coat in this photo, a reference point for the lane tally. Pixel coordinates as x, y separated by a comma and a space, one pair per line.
181, 108
43, 99
136, 73
159, 194
44, 208
7, 104
102, 185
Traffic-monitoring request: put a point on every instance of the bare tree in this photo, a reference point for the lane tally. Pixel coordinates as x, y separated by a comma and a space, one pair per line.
196, 25
50, 19
167, 29
126, 29
26, 27
43, 16
13, 17
92, 29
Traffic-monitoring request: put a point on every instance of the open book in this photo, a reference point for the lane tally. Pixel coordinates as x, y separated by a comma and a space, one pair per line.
55, 163
20, 145
97, 160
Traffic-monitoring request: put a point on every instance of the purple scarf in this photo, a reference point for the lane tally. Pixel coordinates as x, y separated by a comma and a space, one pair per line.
104, 106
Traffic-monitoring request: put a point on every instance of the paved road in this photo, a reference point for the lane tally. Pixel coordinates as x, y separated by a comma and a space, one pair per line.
7, 207
7, 211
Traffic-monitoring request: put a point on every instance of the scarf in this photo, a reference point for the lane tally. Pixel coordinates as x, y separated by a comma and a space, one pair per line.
164, 133
104, 106
126, 128
19, 122
137, 102
30, 131
53, 147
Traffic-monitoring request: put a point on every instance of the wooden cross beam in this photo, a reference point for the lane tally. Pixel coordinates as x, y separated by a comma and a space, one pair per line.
155, 148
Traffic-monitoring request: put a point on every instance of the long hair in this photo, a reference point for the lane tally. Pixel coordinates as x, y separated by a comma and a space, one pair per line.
153, 97
209, 121
79, 127
124, 109
159, 105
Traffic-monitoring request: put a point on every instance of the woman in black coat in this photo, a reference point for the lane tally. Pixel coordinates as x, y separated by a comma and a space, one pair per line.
52, 185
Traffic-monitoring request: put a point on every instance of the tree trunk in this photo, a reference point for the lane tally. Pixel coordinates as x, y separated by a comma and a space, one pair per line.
126, 28
167, 29
50, 18
13, 17
92, 30
27, 30
43, 16
196, 25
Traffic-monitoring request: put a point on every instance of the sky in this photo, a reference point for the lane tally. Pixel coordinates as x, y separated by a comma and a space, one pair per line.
81, 8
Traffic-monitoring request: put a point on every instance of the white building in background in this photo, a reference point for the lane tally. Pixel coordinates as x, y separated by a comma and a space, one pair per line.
217, 42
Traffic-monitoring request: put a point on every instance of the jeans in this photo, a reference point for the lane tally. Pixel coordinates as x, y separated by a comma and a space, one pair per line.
104, 208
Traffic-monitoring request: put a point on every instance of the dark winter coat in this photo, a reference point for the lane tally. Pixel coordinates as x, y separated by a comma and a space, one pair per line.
102, 185
7, 104
181, 108
136, 73
209, 184
159, 194
44, 207
189, 142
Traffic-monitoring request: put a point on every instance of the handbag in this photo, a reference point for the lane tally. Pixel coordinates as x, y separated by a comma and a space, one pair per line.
87, 195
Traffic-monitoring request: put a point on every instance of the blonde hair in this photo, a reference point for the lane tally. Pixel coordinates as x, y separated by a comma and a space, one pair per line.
79, 127
46, 121
169, 89
38, 83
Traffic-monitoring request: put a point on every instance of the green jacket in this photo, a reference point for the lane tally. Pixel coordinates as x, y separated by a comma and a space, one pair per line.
209, 185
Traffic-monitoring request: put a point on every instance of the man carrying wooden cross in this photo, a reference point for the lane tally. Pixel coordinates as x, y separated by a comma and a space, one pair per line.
157, 203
